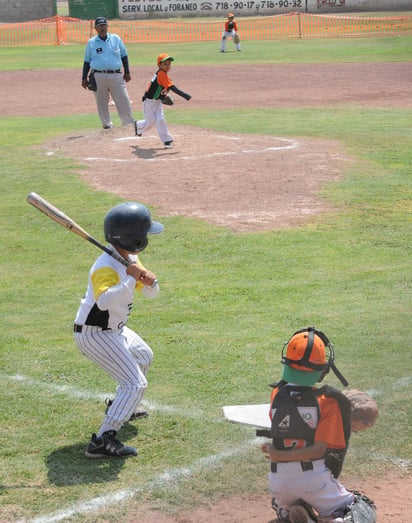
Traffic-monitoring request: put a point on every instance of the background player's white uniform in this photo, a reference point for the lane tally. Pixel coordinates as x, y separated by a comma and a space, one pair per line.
102, 335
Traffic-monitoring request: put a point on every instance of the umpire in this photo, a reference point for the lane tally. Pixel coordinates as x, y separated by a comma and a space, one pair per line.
105, 54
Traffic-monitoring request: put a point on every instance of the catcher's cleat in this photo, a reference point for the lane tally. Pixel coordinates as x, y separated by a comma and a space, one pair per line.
168, 145
139, 414
108, 446
299, 514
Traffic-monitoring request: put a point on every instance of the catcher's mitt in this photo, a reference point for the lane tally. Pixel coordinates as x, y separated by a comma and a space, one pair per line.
167, 99
364, 409
236, 39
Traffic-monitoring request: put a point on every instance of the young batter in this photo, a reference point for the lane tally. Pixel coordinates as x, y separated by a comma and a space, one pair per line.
100, 329
159, 86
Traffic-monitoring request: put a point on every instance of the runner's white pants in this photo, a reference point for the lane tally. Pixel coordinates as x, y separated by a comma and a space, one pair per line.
112, 84
154, 114
126, 357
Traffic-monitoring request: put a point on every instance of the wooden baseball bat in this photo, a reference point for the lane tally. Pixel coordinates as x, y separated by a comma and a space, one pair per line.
65, 221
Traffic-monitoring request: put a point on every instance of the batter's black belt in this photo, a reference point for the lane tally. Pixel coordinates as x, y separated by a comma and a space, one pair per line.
306, 465
108, 71
79, 328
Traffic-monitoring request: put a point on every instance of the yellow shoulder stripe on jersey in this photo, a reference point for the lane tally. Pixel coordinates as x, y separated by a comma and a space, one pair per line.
102, 279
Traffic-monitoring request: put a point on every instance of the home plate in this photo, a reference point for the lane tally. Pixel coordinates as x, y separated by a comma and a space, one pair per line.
254, 415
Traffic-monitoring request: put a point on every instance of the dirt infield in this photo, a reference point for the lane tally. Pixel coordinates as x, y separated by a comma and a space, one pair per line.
211, 176
39, 93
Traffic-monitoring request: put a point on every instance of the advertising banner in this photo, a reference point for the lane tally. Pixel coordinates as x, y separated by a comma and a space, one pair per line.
138, 9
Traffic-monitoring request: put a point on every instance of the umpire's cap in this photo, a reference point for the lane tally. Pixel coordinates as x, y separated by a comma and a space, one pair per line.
100, 20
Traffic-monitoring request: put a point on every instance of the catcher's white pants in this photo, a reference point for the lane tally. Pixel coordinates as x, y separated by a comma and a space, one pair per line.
112, 84
317, 487
126, 357
154, 114
225, 36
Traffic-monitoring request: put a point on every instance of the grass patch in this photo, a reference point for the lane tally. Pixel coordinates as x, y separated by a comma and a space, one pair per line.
228, 303
391, 49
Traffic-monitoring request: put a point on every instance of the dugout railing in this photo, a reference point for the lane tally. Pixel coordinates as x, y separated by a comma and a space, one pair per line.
64, 30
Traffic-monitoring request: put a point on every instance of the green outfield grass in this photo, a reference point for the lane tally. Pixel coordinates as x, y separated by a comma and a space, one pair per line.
228, 303
391, 49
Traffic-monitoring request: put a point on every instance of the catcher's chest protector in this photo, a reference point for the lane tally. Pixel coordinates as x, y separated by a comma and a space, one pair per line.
295, 416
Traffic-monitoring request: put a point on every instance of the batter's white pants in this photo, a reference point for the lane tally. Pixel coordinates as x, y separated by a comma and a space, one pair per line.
154, 114
126, 357
317, 487
112, 84
225, 36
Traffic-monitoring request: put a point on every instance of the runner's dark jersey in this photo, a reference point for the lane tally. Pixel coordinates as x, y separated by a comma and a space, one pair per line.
158, 83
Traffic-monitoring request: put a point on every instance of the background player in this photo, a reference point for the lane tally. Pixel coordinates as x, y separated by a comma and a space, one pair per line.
153, 112
100, 327
230, 31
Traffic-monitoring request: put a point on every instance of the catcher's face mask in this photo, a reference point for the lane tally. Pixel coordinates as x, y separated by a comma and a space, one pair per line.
306, 361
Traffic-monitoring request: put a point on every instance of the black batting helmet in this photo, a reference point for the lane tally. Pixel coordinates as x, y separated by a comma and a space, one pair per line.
127, 225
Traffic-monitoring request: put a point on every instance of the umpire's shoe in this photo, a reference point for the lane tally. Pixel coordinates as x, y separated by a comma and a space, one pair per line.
137, 130
108, 446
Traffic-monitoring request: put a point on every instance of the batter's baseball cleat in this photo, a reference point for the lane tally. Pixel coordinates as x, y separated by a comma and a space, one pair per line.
108, 446
139, 414
168, 145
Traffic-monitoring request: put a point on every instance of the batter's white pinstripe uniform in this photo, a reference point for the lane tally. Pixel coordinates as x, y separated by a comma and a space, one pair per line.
101, 334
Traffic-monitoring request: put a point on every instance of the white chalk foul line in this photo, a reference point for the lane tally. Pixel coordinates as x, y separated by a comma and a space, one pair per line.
76, 393
163, 479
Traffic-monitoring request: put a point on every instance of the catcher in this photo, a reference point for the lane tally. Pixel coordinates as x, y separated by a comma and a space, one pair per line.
157, 95
230, 31
310, 430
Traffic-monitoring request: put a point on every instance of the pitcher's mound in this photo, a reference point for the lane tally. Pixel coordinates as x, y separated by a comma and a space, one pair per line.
243, 182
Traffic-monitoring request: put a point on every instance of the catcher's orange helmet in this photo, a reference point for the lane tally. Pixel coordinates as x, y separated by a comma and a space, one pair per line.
306, 361
307, 350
